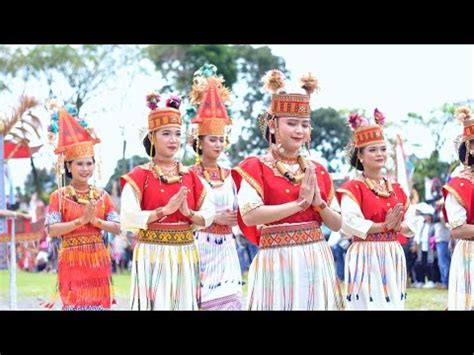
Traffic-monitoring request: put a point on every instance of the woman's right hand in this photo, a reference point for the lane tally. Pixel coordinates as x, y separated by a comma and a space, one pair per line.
175, 201
307, 187
394, 216
89, 213
226, 218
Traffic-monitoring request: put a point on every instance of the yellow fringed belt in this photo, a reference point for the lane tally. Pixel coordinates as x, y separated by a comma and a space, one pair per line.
292, 234
169, 234
75, 241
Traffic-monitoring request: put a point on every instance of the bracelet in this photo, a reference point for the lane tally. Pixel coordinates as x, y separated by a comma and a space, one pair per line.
99, 222
385, 228
191, 214
77, 222
320, 207
302, 203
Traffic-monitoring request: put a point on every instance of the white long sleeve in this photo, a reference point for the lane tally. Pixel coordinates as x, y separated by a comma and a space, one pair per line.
132, 217
353, 221
248, 198
207, 210
411, 221
457, 215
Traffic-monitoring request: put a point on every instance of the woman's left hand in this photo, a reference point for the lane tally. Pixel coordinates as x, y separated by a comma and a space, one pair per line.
317, 199
184, 208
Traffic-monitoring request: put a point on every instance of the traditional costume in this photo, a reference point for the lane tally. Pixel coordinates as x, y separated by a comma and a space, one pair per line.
165, 268
458, 210
221, 277
294, 268
375, 268
84, 264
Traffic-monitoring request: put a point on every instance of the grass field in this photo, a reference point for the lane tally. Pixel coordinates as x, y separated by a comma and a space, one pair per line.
34, 287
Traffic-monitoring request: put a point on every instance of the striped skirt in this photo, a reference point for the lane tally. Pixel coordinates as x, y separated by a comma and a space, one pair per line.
376, 276
293, 270
84, 273
165, 271
220, 274
461, 277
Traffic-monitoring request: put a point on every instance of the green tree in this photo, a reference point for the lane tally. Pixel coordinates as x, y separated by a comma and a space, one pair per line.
330, 135
83, 69
242, 63
45, 178
430, 167
75, 73
123, 167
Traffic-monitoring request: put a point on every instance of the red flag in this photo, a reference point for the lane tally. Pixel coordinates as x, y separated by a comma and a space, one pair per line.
18, 150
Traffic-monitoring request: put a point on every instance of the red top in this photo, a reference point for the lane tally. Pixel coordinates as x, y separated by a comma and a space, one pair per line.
463, 189
275, 189
373, 207
152, 193
70, 210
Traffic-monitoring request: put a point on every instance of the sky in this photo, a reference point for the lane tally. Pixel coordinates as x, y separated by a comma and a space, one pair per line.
397, 79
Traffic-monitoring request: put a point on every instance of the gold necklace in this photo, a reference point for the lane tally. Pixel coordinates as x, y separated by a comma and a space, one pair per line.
379, 191
81, 197
283, 170
169, 179
283, 158
207, 176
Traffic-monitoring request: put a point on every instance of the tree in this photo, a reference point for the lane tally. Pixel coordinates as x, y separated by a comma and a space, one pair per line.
46, 180
123, 167
330, 135
429, 167
244, 64
84, 69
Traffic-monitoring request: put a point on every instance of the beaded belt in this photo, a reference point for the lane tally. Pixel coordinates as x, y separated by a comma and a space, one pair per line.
218, 229
75, 241
378, 237
291, 234
169, 234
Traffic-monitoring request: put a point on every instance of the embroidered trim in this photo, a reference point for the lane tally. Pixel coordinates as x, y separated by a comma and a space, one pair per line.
348, 193
215, 228
274, 236
81, 240
53, 218
378, 237
249, 206
457, 223
455, 194
167, 237
250, 180
201, 199
134, 186
113, 217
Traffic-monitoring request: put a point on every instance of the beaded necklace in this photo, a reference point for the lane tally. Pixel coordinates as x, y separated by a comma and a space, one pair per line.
169, 179
385, 191
283, 169
82, 197
207, 176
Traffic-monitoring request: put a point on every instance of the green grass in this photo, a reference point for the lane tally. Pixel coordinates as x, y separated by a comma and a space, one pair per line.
42, 285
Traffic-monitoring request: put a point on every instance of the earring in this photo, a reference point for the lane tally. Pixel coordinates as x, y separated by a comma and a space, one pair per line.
272, 131
362, 161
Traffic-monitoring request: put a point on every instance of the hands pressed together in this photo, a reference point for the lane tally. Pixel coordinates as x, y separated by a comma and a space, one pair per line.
310, 193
